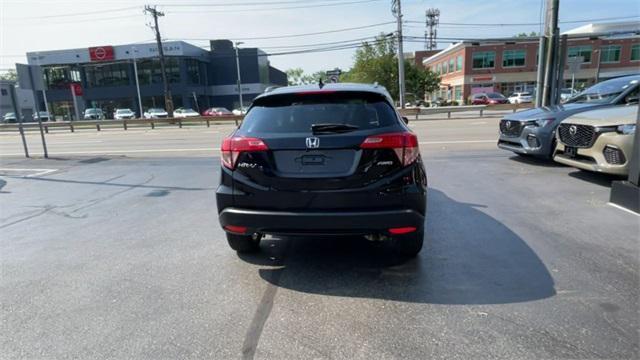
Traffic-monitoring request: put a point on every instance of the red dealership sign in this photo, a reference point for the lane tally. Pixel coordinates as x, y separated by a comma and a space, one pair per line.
76, 88
101, 53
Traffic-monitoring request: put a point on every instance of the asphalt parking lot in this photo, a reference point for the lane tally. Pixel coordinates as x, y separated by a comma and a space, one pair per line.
111, 249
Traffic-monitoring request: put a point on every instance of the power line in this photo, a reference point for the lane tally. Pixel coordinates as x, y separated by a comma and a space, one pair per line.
77, 14
273, 8
528, 24
182, 4
357, 40
301, 35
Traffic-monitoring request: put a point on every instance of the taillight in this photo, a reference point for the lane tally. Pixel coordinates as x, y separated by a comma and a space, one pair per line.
404, 144
233, 146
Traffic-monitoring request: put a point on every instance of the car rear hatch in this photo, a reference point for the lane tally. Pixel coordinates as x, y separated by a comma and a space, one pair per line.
320, 150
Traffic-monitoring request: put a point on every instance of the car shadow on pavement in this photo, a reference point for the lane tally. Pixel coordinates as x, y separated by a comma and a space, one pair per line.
601, 179
536, 161
469, 258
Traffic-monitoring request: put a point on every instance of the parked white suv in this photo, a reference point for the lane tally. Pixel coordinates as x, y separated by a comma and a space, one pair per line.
520, 97
185, 113
121, 114
93, 114
155, 113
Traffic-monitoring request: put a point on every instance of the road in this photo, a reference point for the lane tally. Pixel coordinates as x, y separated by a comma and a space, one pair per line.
111, 249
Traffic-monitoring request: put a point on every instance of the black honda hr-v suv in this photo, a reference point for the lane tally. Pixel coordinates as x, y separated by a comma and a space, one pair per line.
323, 160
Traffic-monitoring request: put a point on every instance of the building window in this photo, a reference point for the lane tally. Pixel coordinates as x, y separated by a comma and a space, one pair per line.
149, 71
635, 52
484, 59
74, 74
513, 58
584, 51
459, 64
193, 71
457, 90
107, 75
56, 77
610, 54
439, 69
452, 65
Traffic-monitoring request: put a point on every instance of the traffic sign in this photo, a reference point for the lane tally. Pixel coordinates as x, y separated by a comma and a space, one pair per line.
574, 63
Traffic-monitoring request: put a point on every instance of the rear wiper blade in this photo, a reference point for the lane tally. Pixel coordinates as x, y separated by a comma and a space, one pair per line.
332, 128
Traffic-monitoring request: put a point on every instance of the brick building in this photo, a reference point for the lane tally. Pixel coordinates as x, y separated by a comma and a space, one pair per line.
508, 65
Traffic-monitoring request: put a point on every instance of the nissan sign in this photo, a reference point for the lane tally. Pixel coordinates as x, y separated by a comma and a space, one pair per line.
101, 53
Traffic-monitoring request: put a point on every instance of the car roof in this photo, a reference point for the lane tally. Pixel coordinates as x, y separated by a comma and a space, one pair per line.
355, 87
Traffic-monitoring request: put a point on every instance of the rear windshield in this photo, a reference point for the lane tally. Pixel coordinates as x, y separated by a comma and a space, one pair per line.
495, 95
298, 112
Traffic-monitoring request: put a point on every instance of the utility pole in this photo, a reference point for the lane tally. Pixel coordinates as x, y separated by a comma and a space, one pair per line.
551, 54
542, 46
396, 9
167, 92
561, 63
238, 43
135, 73
433, 19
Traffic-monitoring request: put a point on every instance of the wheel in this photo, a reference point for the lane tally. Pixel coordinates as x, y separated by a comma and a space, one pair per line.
243, 243
409, 244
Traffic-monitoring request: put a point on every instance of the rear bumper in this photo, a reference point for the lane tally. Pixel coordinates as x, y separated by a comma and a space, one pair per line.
343, 222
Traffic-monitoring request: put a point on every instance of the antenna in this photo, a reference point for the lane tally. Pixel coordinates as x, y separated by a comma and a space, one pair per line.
433, 20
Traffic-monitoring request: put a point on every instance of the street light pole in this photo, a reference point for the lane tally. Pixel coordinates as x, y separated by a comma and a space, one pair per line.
239, 80
135, 74
397, 11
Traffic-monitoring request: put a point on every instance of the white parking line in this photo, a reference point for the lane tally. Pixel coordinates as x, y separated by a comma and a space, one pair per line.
38, 172
623, 209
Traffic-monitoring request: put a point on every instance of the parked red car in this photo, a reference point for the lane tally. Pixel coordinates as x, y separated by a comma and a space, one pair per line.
488, 99
217, 111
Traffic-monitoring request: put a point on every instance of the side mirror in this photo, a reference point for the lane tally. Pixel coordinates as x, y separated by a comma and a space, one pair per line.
631, 99
405, 119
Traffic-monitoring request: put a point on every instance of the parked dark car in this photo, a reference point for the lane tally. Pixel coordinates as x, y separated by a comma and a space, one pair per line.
336, 160
488, 99
532, 132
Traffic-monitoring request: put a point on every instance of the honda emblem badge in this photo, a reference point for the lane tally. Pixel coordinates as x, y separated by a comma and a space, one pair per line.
313, 142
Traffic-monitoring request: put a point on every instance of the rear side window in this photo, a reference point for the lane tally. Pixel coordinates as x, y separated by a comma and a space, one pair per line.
290, 113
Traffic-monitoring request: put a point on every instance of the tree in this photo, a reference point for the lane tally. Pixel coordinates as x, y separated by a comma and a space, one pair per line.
296, 76
377, 62
531, 34
9, 75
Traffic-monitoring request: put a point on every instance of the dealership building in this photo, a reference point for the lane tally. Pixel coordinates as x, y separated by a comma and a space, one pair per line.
103, 76
510, 65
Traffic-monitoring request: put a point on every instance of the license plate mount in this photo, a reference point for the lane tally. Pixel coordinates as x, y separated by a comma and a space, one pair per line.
570, 151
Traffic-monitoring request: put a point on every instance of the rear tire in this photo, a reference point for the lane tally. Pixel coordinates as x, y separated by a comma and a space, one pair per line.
243, 243
409, 245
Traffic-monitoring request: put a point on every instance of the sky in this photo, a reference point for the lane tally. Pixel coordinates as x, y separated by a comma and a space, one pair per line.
39, 25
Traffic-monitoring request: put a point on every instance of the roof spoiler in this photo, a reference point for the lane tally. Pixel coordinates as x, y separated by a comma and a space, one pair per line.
271, 88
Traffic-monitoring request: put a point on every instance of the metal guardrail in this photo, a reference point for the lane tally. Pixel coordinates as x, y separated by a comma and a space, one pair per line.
98, 124
125, 123
462, 108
